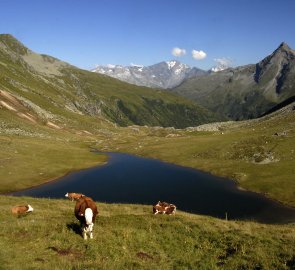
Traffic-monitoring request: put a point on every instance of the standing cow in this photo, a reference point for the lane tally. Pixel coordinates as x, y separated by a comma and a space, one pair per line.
74, 196
86, 212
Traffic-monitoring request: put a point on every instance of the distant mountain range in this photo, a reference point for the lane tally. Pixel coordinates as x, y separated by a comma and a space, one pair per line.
247, 91
56, 94
162, 75
233, 93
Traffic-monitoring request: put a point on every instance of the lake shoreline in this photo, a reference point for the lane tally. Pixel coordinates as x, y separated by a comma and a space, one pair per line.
50, 180
193, 189
221, 178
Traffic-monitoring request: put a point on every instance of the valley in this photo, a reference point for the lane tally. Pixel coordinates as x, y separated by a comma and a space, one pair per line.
52, 114
54, 117
163, 130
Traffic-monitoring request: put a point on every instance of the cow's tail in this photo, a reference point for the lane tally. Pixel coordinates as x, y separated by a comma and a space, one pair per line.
88, 216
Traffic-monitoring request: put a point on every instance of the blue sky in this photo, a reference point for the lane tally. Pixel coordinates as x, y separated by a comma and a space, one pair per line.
89, 32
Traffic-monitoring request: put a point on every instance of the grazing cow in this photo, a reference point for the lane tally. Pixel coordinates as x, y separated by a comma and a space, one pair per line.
86, 212
22, 209
74, 196
164, 208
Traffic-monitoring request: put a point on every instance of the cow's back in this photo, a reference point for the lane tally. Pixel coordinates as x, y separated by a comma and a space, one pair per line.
82, 204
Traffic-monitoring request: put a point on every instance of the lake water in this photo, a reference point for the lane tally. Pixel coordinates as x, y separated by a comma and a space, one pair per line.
130, 179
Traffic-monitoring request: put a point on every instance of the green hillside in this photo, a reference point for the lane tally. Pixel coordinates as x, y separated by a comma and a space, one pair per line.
131, 237
55, 91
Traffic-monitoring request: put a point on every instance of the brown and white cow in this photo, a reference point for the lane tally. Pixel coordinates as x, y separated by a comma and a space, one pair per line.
86, 212
164, 208
74, 196
22, 209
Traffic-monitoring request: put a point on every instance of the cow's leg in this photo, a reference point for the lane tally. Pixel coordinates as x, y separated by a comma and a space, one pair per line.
84, 235
84, 232
90, 229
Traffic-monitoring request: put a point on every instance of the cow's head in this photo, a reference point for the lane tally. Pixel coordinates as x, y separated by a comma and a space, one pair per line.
30, 208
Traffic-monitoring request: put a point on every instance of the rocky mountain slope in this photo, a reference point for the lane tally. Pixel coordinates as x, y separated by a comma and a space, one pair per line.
247, 91
162, 75
46, 91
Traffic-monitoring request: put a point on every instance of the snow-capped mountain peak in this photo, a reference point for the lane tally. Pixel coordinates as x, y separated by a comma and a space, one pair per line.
167, 74
171, 64
218, 68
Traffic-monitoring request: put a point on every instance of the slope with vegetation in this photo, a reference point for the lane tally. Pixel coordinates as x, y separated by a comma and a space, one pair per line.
131, 237
65, 95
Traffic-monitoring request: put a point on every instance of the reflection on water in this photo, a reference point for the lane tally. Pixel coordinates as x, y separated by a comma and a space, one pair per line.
131, 179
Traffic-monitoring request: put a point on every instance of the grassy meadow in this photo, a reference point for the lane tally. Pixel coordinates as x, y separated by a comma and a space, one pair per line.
131, 237
25, 161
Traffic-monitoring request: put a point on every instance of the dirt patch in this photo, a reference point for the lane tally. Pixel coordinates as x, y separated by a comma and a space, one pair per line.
7, 106
67, 252
144, 256
87, 132
27, 116
9, 97
52, 125
21, 235
12, 104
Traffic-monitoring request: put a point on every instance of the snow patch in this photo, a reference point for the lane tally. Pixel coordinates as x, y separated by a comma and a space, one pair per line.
171, 64
110, 66
222, 64
136, 65
217, 69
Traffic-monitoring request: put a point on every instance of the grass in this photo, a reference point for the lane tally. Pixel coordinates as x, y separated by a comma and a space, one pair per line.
25, 161
130, 237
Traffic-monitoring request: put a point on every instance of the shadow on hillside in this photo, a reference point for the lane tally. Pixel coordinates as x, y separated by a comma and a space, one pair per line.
75, 227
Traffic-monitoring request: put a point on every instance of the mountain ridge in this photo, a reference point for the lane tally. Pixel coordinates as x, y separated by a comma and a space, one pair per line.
165, 74
66, 93
247, 91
